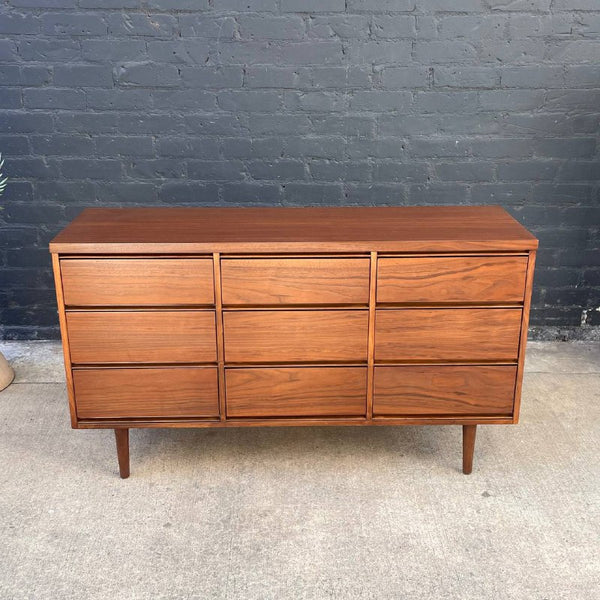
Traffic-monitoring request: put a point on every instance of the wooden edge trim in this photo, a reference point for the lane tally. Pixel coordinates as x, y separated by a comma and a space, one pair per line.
220, 334
295, 422
523, 335
62, 319
371, 334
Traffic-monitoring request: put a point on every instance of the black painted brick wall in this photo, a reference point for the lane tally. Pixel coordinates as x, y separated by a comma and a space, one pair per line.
295, 102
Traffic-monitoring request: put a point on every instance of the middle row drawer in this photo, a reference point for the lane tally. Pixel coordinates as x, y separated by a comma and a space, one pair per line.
288, 336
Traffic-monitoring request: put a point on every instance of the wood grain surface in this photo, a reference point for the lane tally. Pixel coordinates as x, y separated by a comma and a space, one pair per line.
137, 281
413, 334
453, 279
318, 229
296, 391
142, 337
444, 390
280, 281
146, 392
296, 336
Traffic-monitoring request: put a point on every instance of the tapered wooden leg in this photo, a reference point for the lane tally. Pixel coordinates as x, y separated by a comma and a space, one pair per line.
122, 437
469, 432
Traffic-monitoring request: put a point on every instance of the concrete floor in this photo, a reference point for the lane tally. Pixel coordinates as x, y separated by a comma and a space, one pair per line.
377, 513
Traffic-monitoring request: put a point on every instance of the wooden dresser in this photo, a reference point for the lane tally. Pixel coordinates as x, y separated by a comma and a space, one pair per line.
229, 317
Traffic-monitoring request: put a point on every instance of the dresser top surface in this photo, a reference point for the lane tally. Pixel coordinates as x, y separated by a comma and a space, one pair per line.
322, 229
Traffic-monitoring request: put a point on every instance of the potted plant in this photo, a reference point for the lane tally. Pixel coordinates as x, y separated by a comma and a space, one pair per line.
6, 371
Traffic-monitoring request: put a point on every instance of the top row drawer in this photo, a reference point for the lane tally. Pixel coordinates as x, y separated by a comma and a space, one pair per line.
292, 281
137, 281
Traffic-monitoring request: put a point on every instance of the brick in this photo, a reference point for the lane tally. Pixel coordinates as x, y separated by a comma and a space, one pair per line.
19, 24
119, 99
178, 100
49, 50
511, 100
444, 52
146, 25
391, 27
249, 101
315, 101
19, 122
405, 77
313, 6
108, 51
14, 144
527, 171
465, 171
10, 98
124, 146
311, 194
62, 145
379, 101
73, 24
189, 52
333, 170
216, 170
291, 53
194, 5
212, 77
381, 5
380, 52
272, 28
83, 76
153, 169
277, 170
446, 102
192, 147
81, 168
256, 194
267, 148
334, 77
147, 74
466, 77
314, 147
343, 26
25, 75
207, 26
580, 171
533, 77
61, 191
189, 192
375, 194
402, 172
246, 5
54, 98
270, 77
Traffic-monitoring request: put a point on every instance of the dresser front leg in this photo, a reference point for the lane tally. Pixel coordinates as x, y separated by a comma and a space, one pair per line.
469, 432
122, 437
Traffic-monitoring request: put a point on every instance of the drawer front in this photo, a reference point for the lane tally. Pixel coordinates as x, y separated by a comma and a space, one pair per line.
296, 391
447, 334
452, 279
280, 281
444, 390
140, 393
142, 337
137, 281
295, 336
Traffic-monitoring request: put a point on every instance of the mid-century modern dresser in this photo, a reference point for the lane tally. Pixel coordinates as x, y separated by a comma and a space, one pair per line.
229, 317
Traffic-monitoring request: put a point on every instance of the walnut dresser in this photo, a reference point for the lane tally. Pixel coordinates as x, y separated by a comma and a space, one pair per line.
230, 317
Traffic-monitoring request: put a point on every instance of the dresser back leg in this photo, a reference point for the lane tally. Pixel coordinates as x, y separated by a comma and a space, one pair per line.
469, 432
122, 437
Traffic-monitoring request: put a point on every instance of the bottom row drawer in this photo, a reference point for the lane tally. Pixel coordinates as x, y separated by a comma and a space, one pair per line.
146, 392
294, 391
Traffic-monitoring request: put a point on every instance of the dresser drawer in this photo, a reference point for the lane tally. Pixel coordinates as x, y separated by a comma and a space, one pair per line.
296, 391
451, 279
263, 336
152, 392
142, 337
278, 281
444, 390
137, 281
414, 334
